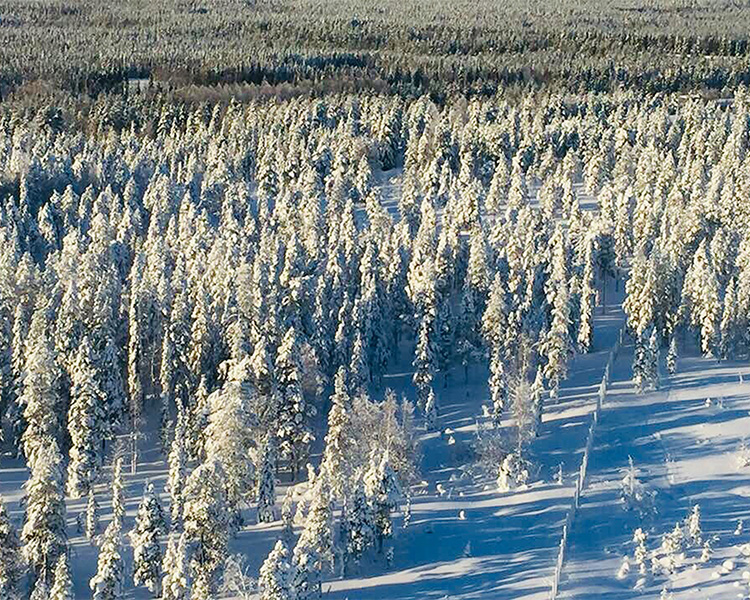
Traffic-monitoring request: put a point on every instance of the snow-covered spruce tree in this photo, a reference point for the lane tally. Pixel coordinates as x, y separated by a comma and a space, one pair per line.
39, 391
343, 338
497, 193
652, 365
86, 419
136, 324
404, 438
314, 552
478, 276
431, 411
425, 358
149, 525
262, 365
524, 411
277, 574
605, 258
587, 297
293, 432
623, 230
498, 383
43, 533
513, 471
62, 589
108, 371
646, 361
495, 318
118, 492
446, 258
287, 518
672, 545
537, 395
518, 192
199, 356
468, 340
372, 306
421, 274
337, 454
672, 355
174, 584
568, 196
557, 346
693, 527
267, 481
322, 336
207, 520
468, 198
640, 554
634, 495
446, 340
197, 422
229, 435
640, 368
18, 349
167, 384
177, 467
729, 326
700, 292
12, 567
91, 528
640, 299
383, 491
40, 591
359, 526
107, 584
359, 364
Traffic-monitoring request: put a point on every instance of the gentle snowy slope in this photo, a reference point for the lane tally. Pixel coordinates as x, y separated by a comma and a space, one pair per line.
685, 451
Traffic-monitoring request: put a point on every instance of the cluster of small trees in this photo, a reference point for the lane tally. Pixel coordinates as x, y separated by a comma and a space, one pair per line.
686, 538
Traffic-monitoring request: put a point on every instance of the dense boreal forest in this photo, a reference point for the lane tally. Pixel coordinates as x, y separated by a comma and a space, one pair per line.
198, 253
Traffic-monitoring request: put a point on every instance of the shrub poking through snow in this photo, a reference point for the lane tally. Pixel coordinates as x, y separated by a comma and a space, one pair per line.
634, 495
693, 527
672, 546
513, 472
640, 554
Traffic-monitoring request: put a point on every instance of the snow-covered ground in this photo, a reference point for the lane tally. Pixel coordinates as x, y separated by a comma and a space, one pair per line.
684, 441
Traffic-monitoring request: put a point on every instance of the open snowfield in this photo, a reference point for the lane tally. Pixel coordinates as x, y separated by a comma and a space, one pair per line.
684, 441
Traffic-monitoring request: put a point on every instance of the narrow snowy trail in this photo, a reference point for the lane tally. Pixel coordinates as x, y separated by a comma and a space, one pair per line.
466, 540
685, 451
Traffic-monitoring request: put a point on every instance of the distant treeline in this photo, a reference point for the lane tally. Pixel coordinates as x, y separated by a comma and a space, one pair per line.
409, 48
